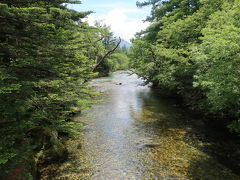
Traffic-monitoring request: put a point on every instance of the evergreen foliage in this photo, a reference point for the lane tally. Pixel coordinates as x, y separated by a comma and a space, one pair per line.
47, 57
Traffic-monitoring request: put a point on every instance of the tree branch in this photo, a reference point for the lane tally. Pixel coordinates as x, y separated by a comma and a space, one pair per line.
107, 54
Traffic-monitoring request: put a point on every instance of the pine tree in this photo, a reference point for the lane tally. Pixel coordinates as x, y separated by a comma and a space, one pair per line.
44, 72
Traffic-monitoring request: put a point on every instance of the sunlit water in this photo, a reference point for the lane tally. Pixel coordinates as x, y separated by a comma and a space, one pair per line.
135, 134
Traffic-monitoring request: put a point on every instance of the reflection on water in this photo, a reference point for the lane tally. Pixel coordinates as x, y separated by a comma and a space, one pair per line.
134, 134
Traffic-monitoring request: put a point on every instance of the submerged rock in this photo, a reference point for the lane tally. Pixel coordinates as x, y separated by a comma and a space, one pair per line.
79, 146
147, 146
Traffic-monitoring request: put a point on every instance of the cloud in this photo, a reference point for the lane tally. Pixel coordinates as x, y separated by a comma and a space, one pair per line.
109, 5
124, 22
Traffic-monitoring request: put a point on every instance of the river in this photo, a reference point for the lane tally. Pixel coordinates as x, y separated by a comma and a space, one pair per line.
134, 133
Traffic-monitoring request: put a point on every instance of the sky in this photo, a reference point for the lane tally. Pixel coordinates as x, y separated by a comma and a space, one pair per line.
124, 18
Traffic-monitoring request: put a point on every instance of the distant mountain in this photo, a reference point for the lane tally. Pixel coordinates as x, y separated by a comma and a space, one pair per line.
125, 43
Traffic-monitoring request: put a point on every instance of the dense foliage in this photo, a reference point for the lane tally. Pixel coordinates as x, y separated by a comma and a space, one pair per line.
192, 49
47, 57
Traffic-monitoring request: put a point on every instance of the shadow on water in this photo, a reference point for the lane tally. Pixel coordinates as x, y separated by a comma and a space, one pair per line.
137, 134
215, 152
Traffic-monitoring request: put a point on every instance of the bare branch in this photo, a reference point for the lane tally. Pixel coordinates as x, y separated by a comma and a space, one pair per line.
107, 54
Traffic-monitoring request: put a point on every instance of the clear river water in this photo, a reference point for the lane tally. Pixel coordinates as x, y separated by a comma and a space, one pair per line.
135, 134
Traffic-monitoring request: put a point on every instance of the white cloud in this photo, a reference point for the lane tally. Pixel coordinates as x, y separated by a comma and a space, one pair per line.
109, 5
122, 21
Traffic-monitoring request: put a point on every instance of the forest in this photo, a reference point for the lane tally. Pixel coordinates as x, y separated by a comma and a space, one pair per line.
191, 50
49, 55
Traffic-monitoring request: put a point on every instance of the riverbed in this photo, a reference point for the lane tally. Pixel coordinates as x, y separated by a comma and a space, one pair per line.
134, 133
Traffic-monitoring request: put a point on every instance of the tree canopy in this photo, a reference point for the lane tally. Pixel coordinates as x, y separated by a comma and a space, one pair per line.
48, 55
191, 49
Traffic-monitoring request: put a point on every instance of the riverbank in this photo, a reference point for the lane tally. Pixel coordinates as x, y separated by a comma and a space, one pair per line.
134, 133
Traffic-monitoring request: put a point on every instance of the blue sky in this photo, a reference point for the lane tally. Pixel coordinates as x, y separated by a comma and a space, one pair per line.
124, 18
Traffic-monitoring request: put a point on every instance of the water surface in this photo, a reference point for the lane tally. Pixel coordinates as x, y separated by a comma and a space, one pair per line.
135, 134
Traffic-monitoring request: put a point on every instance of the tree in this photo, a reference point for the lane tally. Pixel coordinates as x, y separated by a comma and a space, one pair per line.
186, 51
104, 44
44, 72
218, 62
